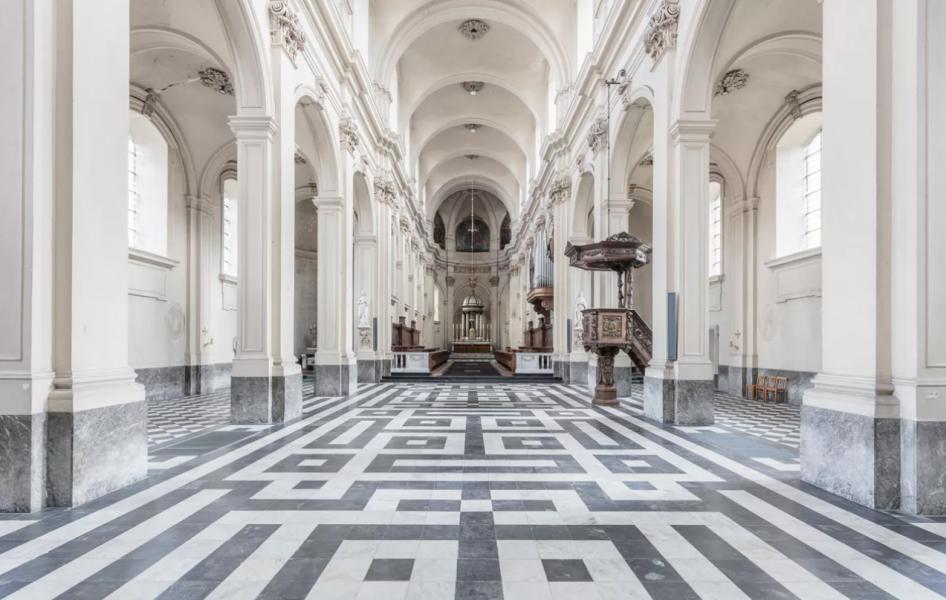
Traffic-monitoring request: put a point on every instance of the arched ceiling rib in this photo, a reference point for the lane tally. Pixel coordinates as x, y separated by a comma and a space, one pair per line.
522, 61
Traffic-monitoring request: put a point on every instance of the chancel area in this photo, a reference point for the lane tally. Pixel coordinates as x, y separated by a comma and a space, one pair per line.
473, 299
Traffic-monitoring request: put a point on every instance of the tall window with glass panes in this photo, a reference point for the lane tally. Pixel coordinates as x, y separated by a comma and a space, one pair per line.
812, 200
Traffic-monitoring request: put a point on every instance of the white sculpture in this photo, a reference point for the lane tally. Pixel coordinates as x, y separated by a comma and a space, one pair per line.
580, 305
363, 321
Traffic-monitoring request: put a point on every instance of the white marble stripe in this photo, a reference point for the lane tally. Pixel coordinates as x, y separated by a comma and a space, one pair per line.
779, 567
75, 571
170, 462
857, 562
878, 533
352, 433
174, 565
471, 462
598, 437
7, 527
937, 528
250, 578
695, 569
41, 545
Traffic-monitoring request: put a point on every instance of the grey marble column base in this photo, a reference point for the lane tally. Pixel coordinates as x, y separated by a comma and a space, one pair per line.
93, 452
22, 462
623, 377
287, 398
854, 456
923, 467
678, 401
336, 380
369, 371
578, 372
562, 369
258, 400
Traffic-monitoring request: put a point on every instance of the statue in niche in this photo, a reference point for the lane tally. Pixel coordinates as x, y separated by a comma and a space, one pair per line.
363, 319
580, 305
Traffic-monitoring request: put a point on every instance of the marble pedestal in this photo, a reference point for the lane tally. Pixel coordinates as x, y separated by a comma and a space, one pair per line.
275, 399
336, 380
22, 462
93, 452
678, 401
923, 467
369, 370
854, 456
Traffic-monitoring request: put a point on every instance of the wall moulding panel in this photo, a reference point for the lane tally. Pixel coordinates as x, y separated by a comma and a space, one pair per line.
797, 275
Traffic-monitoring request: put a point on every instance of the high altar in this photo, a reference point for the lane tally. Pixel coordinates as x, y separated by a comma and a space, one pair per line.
473, 334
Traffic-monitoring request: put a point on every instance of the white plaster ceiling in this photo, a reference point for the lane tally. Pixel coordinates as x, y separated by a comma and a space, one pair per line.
170, 42
778, 43
418, 53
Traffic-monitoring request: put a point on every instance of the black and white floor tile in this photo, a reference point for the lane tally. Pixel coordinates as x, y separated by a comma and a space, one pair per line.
175, 418
427, 491
777, 423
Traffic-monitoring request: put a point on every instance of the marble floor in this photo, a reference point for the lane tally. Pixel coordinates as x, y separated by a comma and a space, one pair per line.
471, 491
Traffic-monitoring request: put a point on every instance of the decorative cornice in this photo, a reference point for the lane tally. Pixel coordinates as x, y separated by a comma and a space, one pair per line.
348, 133
298, 158
384, 189
285, 28
661, 32
561, 189
733, 80
473, 29
647, 160
598, 135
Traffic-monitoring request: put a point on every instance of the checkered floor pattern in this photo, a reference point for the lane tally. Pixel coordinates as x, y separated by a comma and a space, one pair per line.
778, 423
470, 492
180, 417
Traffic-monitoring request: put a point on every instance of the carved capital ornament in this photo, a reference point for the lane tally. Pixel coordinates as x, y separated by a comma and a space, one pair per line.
661, 33
285, 28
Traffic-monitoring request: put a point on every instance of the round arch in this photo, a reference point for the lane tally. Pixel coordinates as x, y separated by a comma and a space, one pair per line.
437, 12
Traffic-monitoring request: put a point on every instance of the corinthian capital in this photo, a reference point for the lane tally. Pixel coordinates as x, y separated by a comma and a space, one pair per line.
285, 28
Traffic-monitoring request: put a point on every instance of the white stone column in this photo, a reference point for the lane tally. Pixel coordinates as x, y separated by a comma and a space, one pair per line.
200, 222
918, 252
96, 427
681, 391
287, 373
741, 253
335, 364
850, 436
26, 249
251, 385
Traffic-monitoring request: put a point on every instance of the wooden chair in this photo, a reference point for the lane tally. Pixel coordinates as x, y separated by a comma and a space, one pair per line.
776, 386
754, 389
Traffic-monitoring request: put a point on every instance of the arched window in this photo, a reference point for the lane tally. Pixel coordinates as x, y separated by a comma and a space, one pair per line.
230, 227
147, 186
813, 192
505, 232
798, 187
440, 232
715, 230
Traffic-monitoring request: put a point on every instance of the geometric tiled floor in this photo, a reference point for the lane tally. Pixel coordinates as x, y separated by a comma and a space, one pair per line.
181, 417
471, 491
779, 423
